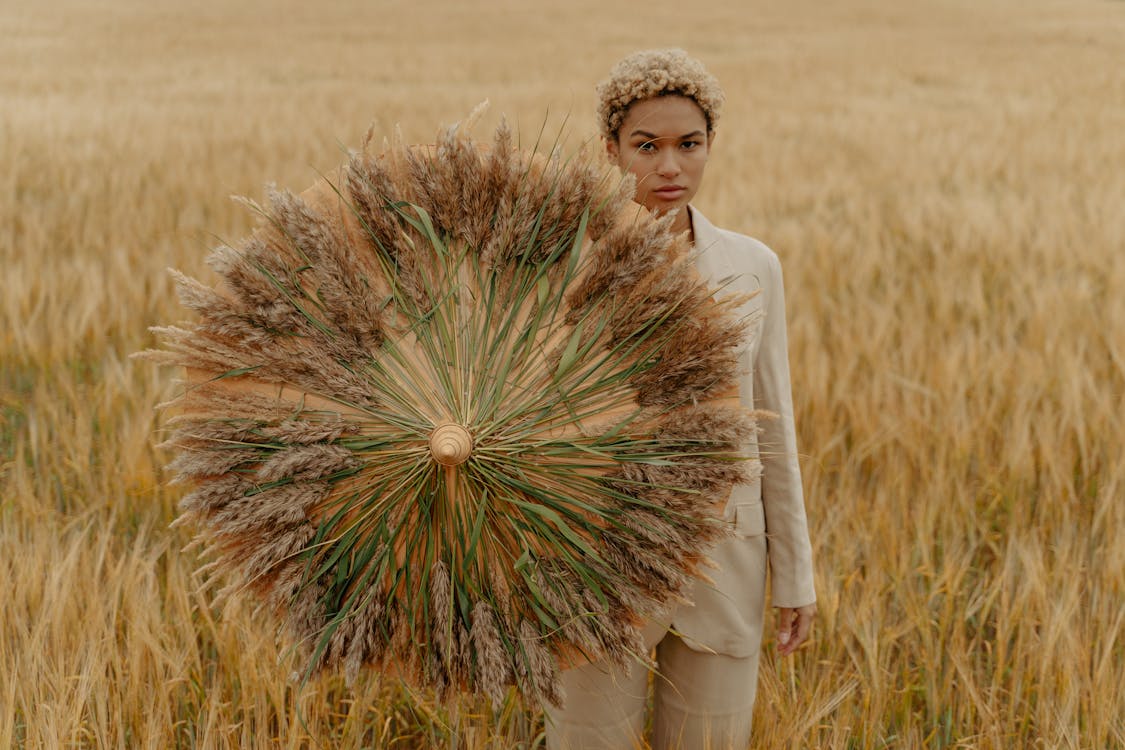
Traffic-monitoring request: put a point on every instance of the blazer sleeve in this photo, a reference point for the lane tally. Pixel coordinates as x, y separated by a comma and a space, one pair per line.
790, 553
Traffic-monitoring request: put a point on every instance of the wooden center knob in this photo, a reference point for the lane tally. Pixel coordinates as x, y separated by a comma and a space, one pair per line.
450, 444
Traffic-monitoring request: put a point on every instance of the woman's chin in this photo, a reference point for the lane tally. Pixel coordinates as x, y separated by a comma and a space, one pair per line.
662, 207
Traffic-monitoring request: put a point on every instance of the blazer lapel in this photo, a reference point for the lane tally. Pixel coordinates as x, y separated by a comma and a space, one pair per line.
711, 251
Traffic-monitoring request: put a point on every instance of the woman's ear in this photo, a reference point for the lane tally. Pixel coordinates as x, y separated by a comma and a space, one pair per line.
611, 150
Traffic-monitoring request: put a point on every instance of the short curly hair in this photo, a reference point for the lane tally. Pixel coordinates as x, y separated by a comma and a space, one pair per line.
656, 72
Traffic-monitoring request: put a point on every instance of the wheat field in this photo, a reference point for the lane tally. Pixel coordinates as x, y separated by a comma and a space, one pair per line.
944, 182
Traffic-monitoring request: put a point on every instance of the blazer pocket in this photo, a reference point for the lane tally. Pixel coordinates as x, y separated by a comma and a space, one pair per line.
749, 519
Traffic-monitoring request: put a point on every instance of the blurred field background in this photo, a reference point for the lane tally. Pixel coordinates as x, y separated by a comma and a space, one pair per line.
944, 182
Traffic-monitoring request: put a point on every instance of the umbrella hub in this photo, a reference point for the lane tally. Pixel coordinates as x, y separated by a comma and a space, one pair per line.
450, 444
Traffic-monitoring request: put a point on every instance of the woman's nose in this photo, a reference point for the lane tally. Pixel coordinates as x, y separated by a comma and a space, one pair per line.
668, 165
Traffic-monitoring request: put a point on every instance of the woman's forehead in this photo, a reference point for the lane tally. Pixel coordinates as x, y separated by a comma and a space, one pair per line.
670, 116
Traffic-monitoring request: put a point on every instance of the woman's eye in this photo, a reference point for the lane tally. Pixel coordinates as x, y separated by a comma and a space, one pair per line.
689, 145
647, 146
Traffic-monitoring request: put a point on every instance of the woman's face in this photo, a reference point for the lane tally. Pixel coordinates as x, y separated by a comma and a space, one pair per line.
664, 143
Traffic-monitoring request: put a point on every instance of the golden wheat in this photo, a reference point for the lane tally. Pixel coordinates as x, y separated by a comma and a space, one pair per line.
943, 183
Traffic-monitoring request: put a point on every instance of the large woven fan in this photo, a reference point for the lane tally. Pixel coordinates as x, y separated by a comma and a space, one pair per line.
457, 413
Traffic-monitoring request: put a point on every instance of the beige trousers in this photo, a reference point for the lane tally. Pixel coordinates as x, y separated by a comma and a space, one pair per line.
701, 701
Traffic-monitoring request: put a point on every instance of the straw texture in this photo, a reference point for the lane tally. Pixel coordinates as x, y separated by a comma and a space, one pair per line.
554, 335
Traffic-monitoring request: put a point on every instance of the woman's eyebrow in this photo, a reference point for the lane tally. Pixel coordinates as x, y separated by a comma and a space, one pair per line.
653, 136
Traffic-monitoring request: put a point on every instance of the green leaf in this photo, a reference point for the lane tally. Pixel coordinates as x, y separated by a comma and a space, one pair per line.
556, 520
478, 525
544, 290
235, 373
576, 248
570, 353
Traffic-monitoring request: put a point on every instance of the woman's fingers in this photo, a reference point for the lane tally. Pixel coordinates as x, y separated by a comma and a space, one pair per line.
785, 619
794, 627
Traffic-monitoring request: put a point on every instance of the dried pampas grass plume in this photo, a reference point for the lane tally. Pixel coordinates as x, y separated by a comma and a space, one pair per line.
578, 374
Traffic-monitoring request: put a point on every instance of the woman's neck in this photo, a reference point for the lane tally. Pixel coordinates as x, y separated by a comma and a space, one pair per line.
682, 223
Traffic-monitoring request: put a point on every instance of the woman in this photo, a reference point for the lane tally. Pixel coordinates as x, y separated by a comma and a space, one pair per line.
657, 113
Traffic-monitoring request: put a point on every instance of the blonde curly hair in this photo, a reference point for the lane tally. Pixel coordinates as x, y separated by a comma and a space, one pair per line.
656, 72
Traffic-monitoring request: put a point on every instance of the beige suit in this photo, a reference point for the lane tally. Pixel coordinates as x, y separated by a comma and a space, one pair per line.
723, 618
708, 661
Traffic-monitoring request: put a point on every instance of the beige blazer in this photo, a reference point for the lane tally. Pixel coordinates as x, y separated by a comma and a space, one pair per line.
768, 512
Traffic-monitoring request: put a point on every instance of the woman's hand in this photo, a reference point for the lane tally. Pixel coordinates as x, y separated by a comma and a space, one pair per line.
793, 627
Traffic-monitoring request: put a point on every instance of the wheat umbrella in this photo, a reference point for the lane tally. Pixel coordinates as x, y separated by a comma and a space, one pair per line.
460, 413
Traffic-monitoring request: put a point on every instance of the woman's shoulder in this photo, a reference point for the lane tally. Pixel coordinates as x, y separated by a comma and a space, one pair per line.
735, 248
748, 245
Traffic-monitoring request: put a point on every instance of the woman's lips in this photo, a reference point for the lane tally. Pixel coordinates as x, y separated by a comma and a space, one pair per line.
670, 192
